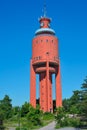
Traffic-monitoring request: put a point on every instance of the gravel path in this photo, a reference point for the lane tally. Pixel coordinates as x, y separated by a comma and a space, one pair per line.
69, 128
51, 126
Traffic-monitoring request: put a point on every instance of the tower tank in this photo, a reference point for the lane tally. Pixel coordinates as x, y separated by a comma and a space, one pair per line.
45, 44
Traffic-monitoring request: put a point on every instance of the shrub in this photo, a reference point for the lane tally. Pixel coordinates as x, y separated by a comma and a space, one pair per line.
48, 116
2, 127
34, 116
21, 128
63, 120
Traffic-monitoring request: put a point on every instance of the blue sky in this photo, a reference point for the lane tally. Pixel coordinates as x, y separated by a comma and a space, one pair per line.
18, 23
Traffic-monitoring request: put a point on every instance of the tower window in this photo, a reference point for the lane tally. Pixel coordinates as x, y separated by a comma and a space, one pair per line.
47, 40
36, 58
39, 57
52, 41
36, 41
48, 25
42, 24
41, 40
47, 52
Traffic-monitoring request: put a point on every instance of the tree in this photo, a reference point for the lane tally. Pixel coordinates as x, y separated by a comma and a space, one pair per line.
15, 110
71, 105
75, 97
83, 98
75, 102
66, 104
60, 115
1, 119
25, 109
34, 116
6, 107
63, 119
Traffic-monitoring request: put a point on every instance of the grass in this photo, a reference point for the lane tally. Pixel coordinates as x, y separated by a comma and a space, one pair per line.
24, 123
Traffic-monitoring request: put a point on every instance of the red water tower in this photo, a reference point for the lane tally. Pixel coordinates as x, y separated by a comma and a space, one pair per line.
45, 62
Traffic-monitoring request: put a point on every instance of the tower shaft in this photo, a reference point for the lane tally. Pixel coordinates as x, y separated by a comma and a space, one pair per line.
32, 86
58, 88
46, 91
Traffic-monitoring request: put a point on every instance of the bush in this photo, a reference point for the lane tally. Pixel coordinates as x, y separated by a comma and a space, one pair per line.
48, 116
35, 116
63, 120
2, 127
21, 128
68, 122
17, 128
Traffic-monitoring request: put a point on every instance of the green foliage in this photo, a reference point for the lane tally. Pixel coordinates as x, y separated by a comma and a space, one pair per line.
75, 97
60, 114
66, 104
2, 127
6, 107
1, 114
72, 105
48, 116
74, 109
63, 120
1, 120
21, 128
83, 97
34, 116
24, 109
34, 119
77, 104
15, 110
31, 118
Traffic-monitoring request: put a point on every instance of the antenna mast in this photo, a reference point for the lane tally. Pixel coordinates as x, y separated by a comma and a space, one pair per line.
44, 10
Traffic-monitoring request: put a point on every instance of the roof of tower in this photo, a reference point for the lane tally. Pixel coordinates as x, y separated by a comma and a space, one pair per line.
45, 30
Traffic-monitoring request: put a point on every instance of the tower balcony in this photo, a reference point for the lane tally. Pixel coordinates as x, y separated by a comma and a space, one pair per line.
43, 69
38, 61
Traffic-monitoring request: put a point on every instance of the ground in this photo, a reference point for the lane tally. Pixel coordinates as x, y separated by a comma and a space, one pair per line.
51, 126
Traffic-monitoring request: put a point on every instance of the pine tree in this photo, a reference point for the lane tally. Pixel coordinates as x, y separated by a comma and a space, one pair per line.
6, 107
83, 96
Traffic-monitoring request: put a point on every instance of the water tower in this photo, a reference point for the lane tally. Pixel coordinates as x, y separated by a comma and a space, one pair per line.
45, 62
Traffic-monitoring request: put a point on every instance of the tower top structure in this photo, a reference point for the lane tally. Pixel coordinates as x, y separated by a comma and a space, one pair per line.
45, 24
44, 20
